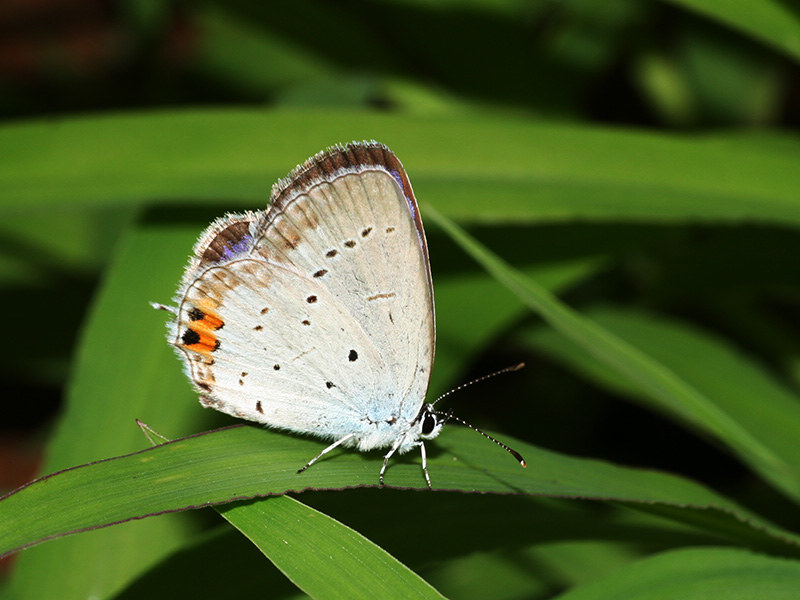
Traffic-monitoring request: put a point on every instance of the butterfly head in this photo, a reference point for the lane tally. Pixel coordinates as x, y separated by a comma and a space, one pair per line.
428, 423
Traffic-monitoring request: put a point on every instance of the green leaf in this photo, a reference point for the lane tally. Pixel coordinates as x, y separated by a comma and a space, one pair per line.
512, 170
662, 384
321, 556
773, 22
219, 563
123, 370
735, 383
245, 462
697, 574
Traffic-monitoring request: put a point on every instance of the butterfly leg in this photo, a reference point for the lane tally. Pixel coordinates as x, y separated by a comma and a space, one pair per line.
387, 457
425, 464
424, 461
328, 449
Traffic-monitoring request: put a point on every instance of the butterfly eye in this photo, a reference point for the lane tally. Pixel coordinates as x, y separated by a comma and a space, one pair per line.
428, 423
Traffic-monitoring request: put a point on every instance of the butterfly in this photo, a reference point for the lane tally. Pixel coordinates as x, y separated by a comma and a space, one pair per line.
316, 316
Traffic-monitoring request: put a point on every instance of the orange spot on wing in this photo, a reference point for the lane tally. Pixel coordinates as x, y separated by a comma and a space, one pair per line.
207, 305
212, 321
207, 343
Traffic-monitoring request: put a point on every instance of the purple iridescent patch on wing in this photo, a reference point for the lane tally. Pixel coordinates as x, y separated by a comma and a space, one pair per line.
226, 239
243, 245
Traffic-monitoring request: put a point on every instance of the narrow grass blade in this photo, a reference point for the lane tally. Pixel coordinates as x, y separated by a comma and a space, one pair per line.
661, 383
321, 556
734, 381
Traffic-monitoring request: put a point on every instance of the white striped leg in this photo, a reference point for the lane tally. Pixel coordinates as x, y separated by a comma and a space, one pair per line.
425, 464
387, 457
328, 449
424, 461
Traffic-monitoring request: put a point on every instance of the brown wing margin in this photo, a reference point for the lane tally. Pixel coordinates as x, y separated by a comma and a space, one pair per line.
350, 156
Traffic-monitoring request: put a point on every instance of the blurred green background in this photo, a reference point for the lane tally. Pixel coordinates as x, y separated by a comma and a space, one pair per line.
641, 159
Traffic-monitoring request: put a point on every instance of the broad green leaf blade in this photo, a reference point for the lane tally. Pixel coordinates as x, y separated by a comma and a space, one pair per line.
511, 170
123, 371
244, 462
697, 574
661, 383
321, 556
736, 383
773, 22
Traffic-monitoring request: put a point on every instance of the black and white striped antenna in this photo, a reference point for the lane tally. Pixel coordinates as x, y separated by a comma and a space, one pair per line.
447, 415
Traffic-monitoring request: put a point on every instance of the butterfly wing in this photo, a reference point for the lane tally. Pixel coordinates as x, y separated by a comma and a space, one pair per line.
316, 316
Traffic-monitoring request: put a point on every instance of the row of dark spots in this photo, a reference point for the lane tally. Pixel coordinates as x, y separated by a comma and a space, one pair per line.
352, 357
260, 409
264, 311
311, 300
328, 384
348, 244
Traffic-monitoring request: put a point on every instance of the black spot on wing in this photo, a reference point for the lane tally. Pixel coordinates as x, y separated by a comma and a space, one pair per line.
190, 336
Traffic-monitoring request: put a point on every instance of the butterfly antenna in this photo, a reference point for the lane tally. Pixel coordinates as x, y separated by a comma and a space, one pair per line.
478, 380
447, 415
